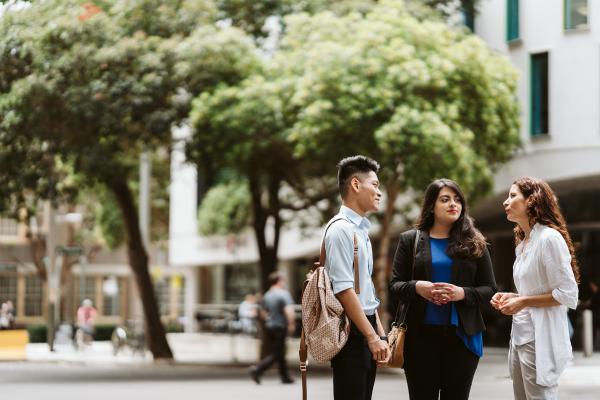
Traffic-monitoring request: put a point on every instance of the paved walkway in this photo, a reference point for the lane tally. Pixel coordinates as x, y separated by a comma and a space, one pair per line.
211, 359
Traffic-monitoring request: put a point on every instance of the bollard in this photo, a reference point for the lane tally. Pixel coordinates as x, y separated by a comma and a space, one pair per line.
588, 334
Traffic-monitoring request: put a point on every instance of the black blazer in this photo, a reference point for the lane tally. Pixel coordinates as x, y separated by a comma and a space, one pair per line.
475, 276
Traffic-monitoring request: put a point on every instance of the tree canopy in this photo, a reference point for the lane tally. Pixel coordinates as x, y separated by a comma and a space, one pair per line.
425, 99
91, 85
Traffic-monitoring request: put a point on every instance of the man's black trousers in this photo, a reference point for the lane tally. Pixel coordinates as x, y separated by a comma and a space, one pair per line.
353, 367
276, 342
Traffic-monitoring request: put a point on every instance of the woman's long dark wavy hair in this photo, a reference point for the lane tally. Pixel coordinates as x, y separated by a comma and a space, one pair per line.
543, 208
465, 240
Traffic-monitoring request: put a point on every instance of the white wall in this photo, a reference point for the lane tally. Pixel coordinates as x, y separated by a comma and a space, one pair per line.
182, 202
572, 148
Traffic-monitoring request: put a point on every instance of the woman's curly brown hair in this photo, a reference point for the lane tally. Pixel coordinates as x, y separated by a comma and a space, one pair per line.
542, 207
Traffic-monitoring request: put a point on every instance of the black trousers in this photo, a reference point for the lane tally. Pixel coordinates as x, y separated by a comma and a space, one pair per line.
438, 365
276, 342
353, 367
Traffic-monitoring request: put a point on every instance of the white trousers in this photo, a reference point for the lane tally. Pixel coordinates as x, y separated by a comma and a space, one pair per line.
521, 362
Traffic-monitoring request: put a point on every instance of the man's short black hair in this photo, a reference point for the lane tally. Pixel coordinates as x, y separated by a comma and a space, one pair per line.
275, 277
350, 167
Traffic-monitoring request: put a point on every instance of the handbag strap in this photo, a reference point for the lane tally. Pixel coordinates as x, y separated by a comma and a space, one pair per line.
303, 352
412, 276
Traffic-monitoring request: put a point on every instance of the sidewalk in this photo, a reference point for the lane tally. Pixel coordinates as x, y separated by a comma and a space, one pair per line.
215, 365
224, 349
196, 348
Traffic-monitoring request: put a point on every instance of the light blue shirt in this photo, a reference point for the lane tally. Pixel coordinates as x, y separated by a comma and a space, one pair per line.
339, 246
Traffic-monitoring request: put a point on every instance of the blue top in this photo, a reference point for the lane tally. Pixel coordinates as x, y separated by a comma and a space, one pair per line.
339, 245
446, 314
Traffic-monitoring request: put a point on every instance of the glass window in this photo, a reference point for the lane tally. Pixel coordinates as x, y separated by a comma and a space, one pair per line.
9, 227
178, 290
240, 280
512, 20
8, 290
576, 14
161, 287
468, 15
112, 289
539, 94
88, 291
34, 292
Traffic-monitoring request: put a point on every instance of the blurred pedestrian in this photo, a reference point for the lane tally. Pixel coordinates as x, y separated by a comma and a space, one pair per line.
277, 310
7, 315
86, 320
545, 274
247, 313
10, 313
451, 281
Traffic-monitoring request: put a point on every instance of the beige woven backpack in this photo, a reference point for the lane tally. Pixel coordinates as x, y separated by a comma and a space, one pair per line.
325, 326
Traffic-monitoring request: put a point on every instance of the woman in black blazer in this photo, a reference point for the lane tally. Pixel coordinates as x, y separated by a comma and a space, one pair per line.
452, 279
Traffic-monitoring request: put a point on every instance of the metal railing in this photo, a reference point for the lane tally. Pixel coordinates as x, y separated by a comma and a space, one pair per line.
223, 318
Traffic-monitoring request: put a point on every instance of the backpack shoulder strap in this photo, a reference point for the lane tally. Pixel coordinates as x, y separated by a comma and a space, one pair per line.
355, 266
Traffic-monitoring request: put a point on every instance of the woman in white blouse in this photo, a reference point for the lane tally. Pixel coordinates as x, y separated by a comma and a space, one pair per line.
545, 274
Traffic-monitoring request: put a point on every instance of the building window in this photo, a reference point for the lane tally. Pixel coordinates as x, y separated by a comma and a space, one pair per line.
468, 15
9, 227
240, 280
8, 290
576, 14
539, 94
34, 292
86, 289
161, 289
512, 20
112, 288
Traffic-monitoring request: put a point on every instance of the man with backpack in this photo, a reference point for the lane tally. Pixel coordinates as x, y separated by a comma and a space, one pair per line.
355, 366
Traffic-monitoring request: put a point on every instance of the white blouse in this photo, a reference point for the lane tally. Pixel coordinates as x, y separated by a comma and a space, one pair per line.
544, 266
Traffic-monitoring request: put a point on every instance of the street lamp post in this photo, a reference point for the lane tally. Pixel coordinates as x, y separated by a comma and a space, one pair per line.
54, 262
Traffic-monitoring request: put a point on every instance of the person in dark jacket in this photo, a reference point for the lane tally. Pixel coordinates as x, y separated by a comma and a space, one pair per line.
452, 279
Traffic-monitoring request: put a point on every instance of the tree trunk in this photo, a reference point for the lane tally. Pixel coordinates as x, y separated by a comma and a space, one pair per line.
381, 264
138, 260
267, 253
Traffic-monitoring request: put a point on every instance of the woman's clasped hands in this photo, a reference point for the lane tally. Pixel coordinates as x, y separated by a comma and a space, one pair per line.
507, 303
440, 293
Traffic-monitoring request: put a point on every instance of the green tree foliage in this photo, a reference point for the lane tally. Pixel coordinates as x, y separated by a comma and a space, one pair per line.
91, 85
425, 99
252, 15
225, 209
413, 93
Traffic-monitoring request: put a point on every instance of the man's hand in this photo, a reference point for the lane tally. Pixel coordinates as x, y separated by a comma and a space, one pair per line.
378, 348
387, 358
445, 292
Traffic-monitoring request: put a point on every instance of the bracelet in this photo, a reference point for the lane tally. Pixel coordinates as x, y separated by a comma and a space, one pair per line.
374, 340
384, 338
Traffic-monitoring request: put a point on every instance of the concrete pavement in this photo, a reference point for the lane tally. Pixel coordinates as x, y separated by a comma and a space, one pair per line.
216, 365
62, 380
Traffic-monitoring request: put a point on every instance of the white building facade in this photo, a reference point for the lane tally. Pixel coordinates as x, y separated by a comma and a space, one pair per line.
555, 44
